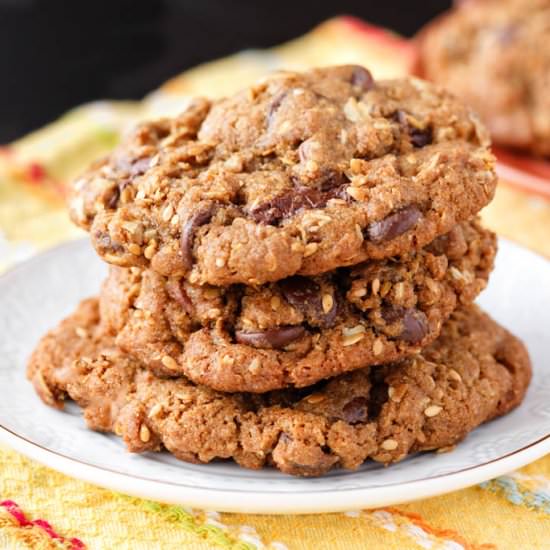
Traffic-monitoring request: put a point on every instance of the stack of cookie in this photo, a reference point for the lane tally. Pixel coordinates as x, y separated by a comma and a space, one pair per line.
292, 277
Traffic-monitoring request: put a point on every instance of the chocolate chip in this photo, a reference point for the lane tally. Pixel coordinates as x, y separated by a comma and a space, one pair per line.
392, 314
415, 326
178, 294
306, 296
393, 225
276, 338
415, 322
112, 198
276, 103
356, 410
134, 167
203, 216
361, 78
421, 138
287, 204
300, 291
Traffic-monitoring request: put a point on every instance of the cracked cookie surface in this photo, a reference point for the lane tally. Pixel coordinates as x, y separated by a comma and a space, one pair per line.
301, 173
495, 55
302, 329
474, 372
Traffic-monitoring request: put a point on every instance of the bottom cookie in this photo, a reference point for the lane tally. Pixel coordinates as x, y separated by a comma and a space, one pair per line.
475, 371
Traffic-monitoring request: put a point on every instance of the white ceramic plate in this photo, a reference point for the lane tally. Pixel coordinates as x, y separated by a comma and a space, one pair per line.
37, 294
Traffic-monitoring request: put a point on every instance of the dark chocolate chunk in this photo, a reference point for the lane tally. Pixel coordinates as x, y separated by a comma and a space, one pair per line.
421, 138
393, 225
362, 79
134, 167
356, 410
276, 338
306, 296
203, 216
276, 103
414, 321
112, 198
287, 204
415, 326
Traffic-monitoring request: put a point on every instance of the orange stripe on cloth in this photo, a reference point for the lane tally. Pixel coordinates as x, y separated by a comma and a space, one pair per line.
446, 534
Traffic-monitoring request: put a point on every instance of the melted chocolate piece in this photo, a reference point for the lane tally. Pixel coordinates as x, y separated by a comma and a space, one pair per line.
177, 293
306, 296
276, 338
287, 204
356, 410
393, 225
276, 103
203, 216
362, 79
415, 326
134, 167
421, 138
414, 321
112, 199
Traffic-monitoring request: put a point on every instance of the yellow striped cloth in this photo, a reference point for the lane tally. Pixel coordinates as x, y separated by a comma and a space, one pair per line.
42, 509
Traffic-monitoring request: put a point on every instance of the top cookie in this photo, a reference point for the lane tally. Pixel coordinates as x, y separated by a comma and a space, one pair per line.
299, 174
495, 54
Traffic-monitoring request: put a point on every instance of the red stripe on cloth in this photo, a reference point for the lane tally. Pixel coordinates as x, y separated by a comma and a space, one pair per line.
16, 512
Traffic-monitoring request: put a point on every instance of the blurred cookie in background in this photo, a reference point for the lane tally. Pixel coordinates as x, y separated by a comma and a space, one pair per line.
495, 54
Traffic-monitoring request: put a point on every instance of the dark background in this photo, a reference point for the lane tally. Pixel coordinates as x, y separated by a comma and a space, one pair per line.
56, 54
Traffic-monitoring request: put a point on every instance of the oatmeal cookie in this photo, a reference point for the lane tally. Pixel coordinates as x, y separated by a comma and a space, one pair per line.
474, 372
299, 330
495, 54
301, 173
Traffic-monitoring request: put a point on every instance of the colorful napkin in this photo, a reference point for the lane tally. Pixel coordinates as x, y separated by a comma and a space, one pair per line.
42, 509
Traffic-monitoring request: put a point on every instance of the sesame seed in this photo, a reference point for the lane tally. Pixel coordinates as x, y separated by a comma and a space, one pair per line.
375, 286
220, 262
315, 398
144, 433
255, 365
227, 360
359, 293
386, 287
169, 362
453, 375
167, 213
389, 445
275, 303
399, 290
310, 249
378, 347
81, 333
156, 409
149, 252
327, 302
432, 410
353, 335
